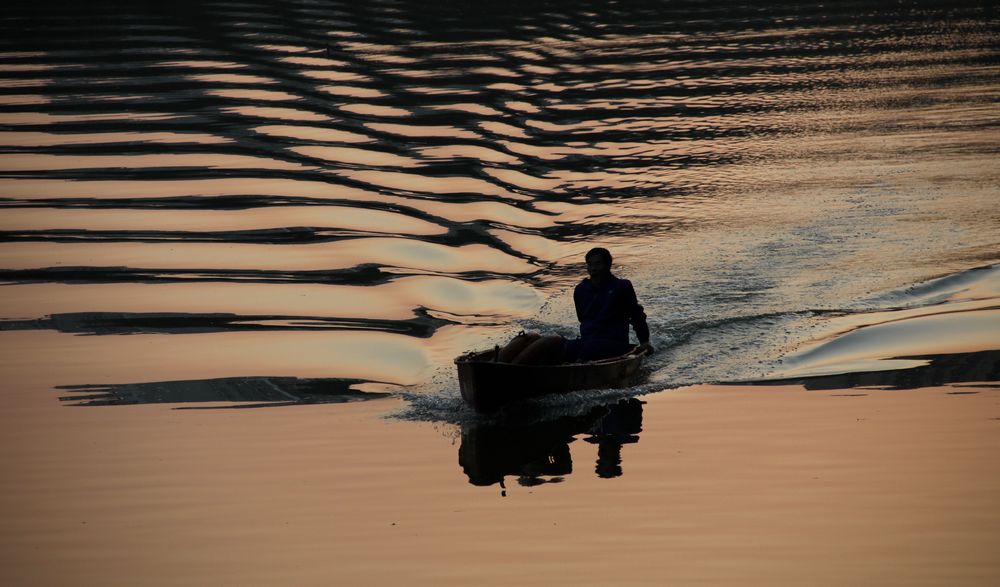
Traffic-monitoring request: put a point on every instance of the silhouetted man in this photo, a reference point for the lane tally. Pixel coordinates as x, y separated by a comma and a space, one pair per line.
605, 305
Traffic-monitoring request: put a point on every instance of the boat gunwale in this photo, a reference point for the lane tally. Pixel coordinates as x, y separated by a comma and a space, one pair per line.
475, 357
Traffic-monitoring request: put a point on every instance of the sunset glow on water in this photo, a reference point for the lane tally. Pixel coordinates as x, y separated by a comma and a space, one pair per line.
312, 207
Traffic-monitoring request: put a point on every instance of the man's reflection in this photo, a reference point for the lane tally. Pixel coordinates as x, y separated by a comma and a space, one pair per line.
620, 426
539, 453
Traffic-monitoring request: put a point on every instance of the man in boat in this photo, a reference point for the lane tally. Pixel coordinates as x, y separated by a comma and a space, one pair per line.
605, 306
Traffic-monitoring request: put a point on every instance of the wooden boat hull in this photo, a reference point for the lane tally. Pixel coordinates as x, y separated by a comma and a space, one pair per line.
488, 385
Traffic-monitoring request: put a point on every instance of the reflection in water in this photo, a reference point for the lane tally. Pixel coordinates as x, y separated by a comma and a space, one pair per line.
621, 425
95, 323
538, 452
361, 166
942, 369
238, 392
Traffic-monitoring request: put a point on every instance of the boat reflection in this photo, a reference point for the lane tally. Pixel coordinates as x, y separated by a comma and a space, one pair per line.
538, 452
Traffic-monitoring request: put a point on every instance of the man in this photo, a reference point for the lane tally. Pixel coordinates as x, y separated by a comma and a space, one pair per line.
605, 306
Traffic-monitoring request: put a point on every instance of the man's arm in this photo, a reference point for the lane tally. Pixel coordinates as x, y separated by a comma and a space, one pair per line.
637, 316
578, 301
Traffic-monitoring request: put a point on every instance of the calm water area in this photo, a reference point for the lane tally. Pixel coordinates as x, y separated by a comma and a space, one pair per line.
311, 207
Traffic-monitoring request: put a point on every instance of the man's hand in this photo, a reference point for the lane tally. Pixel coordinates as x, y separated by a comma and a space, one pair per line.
646, 348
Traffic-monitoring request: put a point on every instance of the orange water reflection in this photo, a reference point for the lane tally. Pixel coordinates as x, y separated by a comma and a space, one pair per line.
37, 162
480, 109
312, 133
469, 151
42, 139
393, 252
42, 118
201, 64
247, 94
899, 340
352, 156
232, 78
35, 189
372, 356
23, 99
334, 75
502, 128
410, 130
523, 180
313, 61
338, 217
351, 91
435, 185
784, 164
395, 300
282, 114
168, 486
375, 110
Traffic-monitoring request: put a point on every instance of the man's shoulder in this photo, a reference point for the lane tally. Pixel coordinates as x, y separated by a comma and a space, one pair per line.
612, 281
621, 282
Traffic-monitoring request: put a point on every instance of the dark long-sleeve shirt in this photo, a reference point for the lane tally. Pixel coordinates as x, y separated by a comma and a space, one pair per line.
606, 312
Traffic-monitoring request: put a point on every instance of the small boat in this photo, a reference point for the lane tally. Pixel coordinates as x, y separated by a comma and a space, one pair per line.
488, 384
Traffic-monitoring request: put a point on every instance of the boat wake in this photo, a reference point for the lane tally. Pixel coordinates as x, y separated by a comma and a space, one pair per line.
930, 330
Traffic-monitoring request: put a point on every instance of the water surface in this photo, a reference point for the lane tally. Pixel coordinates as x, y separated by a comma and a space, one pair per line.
311, 207
427, 178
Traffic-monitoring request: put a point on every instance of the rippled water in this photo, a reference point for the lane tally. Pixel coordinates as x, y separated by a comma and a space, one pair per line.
308, 191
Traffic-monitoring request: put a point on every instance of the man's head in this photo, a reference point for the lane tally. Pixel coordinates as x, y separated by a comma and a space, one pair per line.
598, 262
